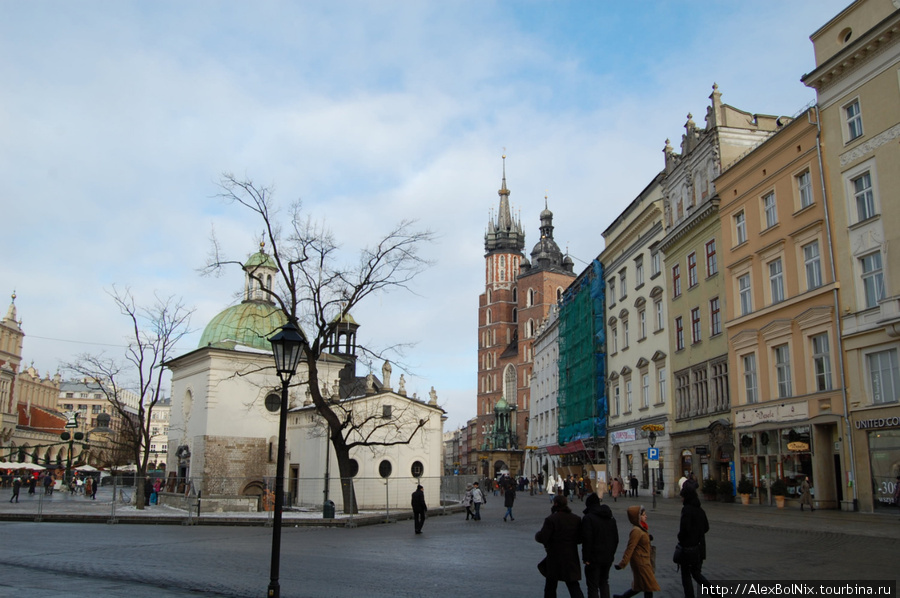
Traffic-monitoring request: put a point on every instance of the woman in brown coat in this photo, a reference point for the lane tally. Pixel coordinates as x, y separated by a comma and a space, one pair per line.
638, 554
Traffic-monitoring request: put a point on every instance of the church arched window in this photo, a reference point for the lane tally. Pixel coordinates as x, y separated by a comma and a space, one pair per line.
509, 384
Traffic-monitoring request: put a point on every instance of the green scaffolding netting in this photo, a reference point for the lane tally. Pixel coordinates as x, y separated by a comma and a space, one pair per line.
582, 361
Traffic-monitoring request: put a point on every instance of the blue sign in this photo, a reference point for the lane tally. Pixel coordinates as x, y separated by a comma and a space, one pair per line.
653, 454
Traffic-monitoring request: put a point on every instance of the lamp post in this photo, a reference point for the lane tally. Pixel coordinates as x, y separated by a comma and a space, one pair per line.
287, 347
652, 439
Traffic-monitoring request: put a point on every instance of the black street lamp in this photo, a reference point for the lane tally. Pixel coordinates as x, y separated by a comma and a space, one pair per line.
288, 345
652, 440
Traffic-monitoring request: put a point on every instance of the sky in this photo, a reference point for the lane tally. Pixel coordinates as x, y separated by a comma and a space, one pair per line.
118, 119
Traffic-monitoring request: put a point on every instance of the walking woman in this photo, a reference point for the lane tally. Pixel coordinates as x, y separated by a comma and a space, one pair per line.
467, 502
692, 537
638, 554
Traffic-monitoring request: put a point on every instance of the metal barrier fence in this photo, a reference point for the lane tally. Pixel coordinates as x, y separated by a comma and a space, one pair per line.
116, 496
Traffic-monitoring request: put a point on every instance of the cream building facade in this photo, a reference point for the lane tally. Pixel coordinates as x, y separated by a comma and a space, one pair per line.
636, 337
543, 430
857, 83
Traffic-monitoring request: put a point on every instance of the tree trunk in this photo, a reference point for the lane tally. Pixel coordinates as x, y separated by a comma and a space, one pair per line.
344, 470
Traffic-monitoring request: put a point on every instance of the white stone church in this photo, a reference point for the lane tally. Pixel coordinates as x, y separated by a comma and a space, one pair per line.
223, 441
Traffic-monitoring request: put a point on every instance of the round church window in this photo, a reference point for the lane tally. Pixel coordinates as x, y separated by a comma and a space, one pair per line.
385, 468
417, 469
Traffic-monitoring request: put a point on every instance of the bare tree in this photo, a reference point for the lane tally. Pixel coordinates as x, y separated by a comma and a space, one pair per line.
133, 385
315, 289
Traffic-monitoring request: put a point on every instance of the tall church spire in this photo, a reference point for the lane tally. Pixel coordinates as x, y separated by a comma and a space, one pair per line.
504, 234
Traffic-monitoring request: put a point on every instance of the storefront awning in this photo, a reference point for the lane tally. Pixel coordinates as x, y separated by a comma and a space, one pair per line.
570, 447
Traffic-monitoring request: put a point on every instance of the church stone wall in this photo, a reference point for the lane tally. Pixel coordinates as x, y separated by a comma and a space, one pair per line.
232, 462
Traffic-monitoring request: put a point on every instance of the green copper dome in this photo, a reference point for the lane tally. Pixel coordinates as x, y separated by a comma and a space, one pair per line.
250, 323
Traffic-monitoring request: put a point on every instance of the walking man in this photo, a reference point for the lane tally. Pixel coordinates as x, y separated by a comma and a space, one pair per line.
419, 508
17, 484
805, 494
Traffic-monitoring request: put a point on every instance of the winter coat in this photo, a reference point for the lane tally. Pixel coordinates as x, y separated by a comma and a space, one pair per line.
477, 496
510, 497
616, 488
560, 536
418, 502
694, 525
638, 554
467, 498
599, 534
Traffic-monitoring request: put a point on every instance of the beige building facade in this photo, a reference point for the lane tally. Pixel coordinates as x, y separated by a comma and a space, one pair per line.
857, 83
783, 338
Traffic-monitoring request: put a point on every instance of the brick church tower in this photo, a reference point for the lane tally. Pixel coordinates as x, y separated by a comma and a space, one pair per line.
518, 296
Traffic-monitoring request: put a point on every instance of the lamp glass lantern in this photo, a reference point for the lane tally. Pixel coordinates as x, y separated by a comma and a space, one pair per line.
652, 438
287, 346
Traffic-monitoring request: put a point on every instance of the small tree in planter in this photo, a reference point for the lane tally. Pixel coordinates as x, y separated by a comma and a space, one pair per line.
710, 488
745, 489
726, 491
779, 489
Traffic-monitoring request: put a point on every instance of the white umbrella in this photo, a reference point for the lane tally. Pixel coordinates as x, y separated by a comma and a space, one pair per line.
87, 468
31, 466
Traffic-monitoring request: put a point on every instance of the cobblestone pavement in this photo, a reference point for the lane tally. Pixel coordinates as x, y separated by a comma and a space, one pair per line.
453, 557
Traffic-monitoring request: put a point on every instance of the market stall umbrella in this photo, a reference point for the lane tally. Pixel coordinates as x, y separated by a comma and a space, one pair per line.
88, 468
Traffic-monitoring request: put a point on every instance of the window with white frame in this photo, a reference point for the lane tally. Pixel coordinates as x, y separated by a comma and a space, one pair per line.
679, 334
612, 292
884, 376
712, 266
872, 279
642, 324
628, 403
661, 385
639, 272
744, 292
770, 209
645, 390
812, 262
783, 370
695, 325
740, 228
658, 308
853, 120
655, 264
692, 269
776, 280
623, 284
804, 189
625, 336
821, 355
863, 197
616, 400
676, 280
614, 335
715, 317
750, 385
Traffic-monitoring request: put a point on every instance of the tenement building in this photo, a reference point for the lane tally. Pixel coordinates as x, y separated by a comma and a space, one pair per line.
781, 317
699, 431
856, 82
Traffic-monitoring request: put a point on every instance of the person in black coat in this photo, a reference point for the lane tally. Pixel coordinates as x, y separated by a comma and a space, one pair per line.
599, 540
419, 508
508, 499
692, 537
560, 536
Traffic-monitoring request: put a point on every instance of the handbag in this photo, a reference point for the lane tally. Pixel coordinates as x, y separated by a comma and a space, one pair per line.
679, 554
542, 566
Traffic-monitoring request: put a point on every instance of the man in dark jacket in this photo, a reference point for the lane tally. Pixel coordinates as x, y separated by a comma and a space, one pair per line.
599, 540
419, 508
560, 536
692, 537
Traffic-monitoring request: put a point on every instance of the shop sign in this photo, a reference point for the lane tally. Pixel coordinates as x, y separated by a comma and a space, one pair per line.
879, 422
622, 436
798, 446
774, 414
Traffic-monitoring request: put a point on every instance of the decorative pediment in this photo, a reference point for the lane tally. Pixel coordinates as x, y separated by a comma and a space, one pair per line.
626, 371
776, 328
658, 356
656, 292
744, 339
640, 302
612, 321
623, 315
642, 363
815, 316
613, 376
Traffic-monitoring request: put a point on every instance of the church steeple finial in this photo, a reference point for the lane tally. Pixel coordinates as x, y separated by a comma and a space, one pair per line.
504, 233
